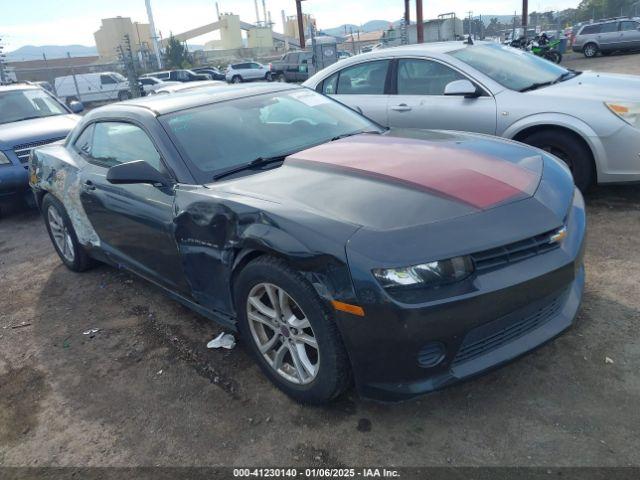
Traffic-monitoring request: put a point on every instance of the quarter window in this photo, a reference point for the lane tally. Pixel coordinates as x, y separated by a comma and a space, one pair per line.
364, 79
330, 85
424, 77
115, 143
590, 29
83, 143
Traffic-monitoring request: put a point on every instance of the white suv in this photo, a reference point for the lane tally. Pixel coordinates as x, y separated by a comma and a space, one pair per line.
247, 71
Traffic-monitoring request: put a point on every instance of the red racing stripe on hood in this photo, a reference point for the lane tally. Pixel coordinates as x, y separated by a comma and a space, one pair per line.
474, 178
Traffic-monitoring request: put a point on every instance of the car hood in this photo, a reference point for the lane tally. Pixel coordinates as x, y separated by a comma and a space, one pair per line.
595, 86
400, 179
35, 130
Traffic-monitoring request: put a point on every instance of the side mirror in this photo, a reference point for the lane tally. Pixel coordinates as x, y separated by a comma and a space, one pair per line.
76, 106
137, 171
462, 88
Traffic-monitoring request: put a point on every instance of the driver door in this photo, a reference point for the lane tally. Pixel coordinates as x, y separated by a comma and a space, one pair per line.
134, 222
420, 101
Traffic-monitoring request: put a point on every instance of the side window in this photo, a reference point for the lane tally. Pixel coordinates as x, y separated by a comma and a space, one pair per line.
115, 143
424, 77
627, 25
107, 80
330, 84
182, 75
609, 27
590, 29
255, 65
83, 142
364, 79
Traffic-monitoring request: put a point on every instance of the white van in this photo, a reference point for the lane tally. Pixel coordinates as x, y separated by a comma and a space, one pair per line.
92, 87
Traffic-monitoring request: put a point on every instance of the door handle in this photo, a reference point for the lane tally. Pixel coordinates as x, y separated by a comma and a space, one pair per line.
89, 185
403, 107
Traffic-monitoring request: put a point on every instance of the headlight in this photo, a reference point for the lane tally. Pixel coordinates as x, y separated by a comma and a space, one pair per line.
4, 160
627, 111
425, 275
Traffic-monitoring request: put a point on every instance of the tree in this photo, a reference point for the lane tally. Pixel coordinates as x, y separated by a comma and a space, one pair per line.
176, 54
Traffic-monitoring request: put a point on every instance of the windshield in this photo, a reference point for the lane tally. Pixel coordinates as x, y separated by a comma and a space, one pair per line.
224, 135
17, 105
510, 67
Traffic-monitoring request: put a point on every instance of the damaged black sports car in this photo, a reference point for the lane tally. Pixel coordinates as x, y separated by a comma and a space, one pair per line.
342, 252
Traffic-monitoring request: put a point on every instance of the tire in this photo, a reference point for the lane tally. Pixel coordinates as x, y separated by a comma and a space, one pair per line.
236, 79
73, 255
590, 50
124, 95
331, 374
571, 150
281, 78
268, 77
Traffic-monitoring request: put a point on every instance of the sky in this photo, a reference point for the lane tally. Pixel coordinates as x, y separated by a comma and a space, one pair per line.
65, 22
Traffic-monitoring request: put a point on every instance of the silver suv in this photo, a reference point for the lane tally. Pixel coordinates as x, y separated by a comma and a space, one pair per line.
608, 36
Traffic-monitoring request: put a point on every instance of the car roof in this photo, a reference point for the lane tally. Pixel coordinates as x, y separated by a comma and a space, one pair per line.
163, 104
18, 86
419, 48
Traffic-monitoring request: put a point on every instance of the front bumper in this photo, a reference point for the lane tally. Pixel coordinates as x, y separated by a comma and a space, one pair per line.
393, 349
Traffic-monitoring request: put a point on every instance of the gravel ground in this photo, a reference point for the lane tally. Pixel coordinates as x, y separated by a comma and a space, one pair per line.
144, 390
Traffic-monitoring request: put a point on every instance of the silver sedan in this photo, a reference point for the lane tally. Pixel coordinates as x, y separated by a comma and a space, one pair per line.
589, 120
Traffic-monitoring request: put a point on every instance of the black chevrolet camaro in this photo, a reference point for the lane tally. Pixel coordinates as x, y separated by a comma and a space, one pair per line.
401, 260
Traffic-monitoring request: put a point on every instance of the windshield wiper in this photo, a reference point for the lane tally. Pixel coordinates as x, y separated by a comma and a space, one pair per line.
345, 135
561, 78
256, 163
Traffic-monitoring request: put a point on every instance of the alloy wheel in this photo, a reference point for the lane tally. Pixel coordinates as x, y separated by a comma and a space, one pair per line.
60, 234
590, 51
283, 334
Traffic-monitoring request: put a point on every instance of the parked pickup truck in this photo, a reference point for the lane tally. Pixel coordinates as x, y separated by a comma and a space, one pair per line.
292, 67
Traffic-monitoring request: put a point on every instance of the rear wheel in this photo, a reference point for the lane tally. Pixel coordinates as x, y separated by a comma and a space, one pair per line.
63, 236
590, 50
554, 56
571, 150
290, 332
281, 78
236, 79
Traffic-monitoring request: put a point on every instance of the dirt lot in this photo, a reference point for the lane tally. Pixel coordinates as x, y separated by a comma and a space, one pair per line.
145, 390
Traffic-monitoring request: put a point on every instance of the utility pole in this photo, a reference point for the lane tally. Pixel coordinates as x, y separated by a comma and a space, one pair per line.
2, 79
407, 13
300, 23
525, 16
75, 81
284, 31
154, 38
419, 22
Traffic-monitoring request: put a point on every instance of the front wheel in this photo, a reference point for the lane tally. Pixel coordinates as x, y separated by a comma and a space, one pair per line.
236, 79
63, 236
281, 78
290, 332
268, 77
571, 150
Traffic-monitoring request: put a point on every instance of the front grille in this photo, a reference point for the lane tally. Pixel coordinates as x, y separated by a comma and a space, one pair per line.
514, 252
490, 336
23, 151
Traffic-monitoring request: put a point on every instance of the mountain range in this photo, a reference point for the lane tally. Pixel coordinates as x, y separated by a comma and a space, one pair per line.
370, 26
31, 52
